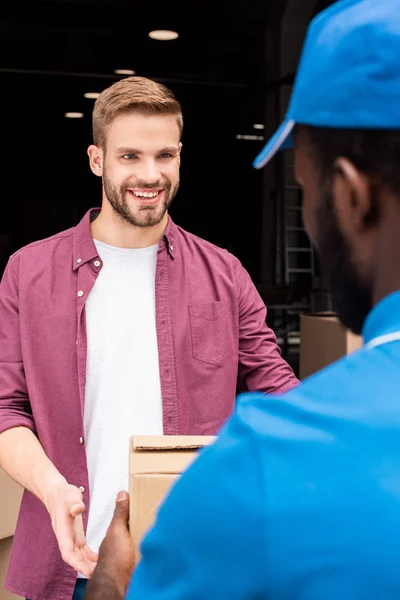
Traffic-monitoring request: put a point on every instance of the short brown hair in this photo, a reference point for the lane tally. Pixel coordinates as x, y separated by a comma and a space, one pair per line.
133, 95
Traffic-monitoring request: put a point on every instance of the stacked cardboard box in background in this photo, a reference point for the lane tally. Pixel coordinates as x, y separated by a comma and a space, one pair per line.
323, 340
10, 500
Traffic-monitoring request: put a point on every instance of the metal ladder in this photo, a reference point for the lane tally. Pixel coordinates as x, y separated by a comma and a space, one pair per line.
298, 253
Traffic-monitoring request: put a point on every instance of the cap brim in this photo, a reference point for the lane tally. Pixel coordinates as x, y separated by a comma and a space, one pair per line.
281, 140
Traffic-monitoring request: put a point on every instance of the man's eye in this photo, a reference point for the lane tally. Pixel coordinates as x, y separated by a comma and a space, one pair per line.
166, 155
128, 156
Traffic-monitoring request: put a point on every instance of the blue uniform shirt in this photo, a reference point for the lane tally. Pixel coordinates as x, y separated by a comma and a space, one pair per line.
299, 498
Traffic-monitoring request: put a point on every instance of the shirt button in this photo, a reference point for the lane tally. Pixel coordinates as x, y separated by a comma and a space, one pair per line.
81, 489
171, 248
97, 263
81, 440
79, 260
80, 293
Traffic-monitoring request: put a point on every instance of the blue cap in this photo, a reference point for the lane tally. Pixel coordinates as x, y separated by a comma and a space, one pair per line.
349, 72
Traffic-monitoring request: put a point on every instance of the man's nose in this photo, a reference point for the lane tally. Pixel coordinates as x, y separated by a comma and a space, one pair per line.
149, 172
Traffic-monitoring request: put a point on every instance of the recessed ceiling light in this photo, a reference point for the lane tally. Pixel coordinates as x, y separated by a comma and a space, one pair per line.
92, 95
124, 72
74, 115
163, 34
259, 126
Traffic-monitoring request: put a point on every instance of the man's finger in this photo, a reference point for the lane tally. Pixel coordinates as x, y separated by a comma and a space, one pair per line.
78, 563
77, 509
92, 556
81, 567
86, 570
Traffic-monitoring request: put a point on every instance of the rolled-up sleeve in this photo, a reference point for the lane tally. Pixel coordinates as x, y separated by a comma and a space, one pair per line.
15, 408
261, 366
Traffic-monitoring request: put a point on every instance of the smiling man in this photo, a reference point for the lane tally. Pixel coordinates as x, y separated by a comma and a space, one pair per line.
123, 325
299, 498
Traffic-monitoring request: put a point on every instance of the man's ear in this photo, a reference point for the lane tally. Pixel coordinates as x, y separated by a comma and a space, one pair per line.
96, 159
353, 197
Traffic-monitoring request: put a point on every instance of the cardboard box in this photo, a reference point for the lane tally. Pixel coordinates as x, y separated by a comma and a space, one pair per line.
323, 340
5, 549
10, 500
156, 462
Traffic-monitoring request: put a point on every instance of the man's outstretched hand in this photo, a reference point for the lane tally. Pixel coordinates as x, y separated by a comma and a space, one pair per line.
65, 506
116, 562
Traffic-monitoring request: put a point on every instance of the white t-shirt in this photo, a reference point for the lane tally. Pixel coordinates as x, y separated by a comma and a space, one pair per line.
123, 390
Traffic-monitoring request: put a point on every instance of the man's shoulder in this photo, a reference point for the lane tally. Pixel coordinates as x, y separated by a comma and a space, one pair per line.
206, 247
191, 238
44, 246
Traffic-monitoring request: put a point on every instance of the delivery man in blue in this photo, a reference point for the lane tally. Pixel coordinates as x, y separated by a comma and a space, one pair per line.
299, 498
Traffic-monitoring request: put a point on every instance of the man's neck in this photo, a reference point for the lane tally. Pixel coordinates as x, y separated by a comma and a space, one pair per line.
112, 230
386, 271
387, 284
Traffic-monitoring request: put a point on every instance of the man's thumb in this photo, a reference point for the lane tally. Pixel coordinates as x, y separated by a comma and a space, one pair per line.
122, 497
122, 507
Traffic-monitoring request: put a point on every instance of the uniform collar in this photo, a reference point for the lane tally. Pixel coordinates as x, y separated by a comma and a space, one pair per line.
383, 319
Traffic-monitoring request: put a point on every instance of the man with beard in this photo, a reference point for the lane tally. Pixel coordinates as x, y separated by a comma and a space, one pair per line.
301, 499
123, 325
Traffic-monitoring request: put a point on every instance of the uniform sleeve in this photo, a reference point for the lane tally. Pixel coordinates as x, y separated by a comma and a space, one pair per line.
209, 539
261, 365
15, 409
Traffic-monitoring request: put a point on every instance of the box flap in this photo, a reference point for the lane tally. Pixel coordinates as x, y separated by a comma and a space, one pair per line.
329, 316
169, 442
165, 454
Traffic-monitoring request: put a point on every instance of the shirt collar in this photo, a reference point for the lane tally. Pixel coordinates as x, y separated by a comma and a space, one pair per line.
171, 238
84, 249
383, 319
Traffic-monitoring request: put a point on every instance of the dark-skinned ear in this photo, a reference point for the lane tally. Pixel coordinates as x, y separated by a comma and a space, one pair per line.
354, 196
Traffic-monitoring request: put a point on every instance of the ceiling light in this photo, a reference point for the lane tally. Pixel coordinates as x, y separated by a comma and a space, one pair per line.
73, 115
259, 126
250, 137
163, 34
124, 72
92, 95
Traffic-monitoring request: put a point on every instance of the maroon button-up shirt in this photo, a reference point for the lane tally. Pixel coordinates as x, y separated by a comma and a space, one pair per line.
211, 332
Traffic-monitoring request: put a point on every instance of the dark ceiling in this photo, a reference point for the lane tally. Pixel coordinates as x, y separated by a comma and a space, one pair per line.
53, 51
219, 41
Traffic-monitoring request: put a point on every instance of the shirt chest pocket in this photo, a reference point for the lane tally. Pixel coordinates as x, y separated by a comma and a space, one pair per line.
211, 333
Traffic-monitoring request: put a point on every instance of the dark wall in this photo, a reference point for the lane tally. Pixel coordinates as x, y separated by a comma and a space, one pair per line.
322, 5
47, 185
